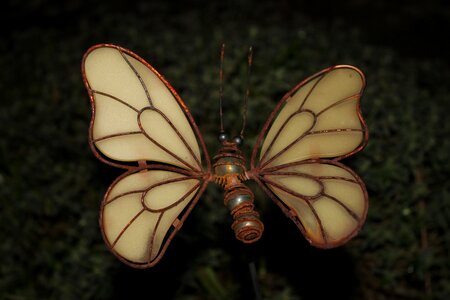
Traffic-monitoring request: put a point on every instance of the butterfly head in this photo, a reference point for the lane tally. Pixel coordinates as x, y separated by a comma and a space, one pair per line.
229, 160
227, 142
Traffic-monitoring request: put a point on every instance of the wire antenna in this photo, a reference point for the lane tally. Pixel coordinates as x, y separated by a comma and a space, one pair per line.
247, 90
222, 53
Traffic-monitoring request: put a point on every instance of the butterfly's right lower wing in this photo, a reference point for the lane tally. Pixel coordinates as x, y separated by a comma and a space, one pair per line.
324, 198
144, 208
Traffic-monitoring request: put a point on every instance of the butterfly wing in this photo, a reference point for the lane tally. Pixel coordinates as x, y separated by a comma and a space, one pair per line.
315, 125
136, 114
141, 124
144, 208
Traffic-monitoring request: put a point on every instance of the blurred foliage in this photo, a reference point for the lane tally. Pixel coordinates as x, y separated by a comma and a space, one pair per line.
51, 185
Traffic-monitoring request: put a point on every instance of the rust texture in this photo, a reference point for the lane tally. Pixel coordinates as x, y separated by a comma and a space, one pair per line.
260, 169
229, 169
199, 172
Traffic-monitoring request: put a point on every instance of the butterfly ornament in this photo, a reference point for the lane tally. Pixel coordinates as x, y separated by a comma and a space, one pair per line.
140, 124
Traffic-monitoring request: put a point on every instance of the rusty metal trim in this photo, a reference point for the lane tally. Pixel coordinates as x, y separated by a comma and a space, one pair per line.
261, 181
254, 162
183, 106
203, 179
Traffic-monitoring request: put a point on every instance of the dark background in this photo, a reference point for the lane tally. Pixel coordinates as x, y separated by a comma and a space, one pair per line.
51, 184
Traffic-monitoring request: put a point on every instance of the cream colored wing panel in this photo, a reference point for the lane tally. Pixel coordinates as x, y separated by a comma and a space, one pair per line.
328, 199
319, 119
108, 72
163, 100
290, 107
323, 145
123, 91
338, 84
141, 210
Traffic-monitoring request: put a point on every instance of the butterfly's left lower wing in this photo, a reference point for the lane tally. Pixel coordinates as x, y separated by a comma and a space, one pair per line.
139, 123
314, 126
144, 208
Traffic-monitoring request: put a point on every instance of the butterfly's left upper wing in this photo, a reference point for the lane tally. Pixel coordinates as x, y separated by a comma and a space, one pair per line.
314, 126
136, 114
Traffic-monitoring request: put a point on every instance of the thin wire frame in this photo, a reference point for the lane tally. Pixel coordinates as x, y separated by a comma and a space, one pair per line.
179, 221
259, 170
260, 166
289, 212
200, 173
180, 102
254, 162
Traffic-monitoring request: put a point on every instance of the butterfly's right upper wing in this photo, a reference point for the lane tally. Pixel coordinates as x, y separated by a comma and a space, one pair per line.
136, 114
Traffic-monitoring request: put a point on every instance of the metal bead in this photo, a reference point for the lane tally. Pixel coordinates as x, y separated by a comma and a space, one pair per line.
228, 165
248, 228
223, 137
238, 140
237, 200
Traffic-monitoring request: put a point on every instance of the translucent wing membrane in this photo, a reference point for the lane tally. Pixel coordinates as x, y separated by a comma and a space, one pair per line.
137, 116
141, 124
143, 209
318, 118
324, 198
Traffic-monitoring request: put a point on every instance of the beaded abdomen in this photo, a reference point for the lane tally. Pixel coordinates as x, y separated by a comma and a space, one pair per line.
229, 172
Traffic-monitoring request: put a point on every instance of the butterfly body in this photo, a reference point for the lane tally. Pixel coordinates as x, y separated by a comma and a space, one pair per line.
140, 124
230, 173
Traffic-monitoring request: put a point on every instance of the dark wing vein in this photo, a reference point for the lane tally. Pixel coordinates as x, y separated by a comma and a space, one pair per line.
302, 198
313, 210
168, 151
183, 140
351, 212
338, 178
276, 137
334, 130
283, 188
123, 194
127, 226
288, 146
352, 97
139, 77
116, 135
115, 98
152, 238
181, 199
311, 90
